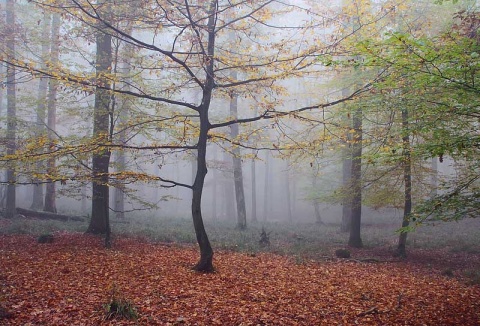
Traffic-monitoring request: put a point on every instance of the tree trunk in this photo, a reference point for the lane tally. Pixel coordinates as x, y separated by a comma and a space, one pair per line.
10, 209
50, 203
316, 205
229, 188
355, 239
206, 252
434, 179
237, 165
346, 196
287, 193
37, 196
205, 264
254, 191
99, 223
266, 191
407, 179
119, 192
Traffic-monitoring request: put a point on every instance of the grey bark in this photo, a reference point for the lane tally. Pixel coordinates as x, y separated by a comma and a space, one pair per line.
119, 190
50, 193
237, 165
287, 193
254, 191
266, 190
10, 209
38, 193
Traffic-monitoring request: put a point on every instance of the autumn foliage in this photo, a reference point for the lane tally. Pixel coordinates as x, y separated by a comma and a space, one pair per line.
69, 281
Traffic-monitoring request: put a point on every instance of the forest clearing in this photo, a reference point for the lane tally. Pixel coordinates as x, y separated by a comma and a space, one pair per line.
72, 279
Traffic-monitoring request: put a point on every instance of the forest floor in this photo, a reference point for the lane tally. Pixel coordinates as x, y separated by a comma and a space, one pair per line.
72, 280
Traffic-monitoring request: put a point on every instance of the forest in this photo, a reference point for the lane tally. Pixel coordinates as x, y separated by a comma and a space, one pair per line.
239, 162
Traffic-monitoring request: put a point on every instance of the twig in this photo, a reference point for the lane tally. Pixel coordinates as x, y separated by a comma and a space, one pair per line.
373, 310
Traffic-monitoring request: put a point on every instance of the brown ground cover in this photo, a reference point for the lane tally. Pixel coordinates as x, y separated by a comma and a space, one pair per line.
67, 282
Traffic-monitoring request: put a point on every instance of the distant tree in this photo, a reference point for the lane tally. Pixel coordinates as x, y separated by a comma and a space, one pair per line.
38, 194
50, 192
10, 39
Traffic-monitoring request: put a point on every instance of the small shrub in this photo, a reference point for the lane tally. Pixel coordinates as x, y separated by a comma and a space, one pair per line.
45, 238
473, 277
342, 253
119, 307
447, 272
264, 238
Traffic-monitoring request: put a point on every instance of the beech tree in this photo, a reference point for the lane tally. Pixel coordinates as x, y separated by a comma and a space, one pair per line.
10, 38
186, 48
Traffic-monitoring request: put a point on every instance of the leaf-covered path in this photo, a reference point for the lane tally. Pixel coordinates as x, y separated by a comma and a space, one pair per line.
67, 282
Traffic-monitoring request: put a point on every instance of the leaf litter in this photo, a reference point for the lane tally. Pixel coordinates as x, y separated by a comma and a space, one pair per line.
69, 281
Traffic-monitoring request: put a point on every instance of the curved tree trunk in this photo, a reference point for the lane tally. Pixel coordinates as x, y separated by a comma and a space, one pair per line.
205, 264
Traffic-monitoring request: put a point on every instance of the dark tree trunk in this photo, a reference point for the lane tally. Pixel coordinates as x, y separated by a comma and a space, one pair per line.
407, 179
10, 209
205, 264
355, 239
99, 223
37, 196
50, 193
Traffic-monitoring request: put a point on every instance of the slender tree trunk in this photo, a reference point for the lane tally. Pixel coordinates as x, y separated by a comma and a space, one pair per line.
287, 193
229, 189
346, 196
50, 193
316, 204
434, 178
266, 192
119, 190
10, 209
237, 165
214, 190
407, 179
254, 191
99, 223
37, 196
355, 239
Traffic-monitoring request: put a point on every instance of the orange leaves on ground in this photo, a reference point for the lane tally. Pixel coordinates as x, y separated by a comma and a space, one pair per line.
68, 281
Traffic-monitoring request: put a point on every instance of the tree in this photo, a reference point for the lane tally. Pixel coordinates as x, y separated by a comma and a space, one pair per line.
50, 193
193, 57
355, 239
237, 165
37, 197
407, 179
10, 209
99, 222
